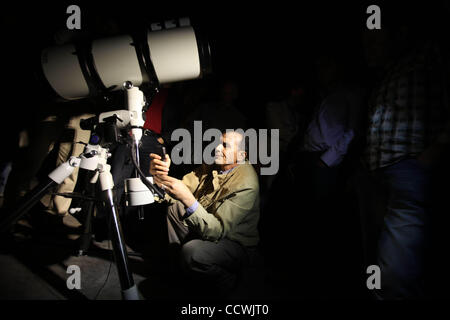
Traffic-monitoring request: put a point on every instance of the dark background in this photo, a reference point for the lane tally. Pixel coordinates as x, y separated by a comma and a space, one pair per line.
262, 45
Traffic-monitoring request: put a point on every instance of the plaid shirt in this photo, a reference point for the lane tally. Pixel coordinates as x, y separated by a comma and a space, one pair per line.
407, 111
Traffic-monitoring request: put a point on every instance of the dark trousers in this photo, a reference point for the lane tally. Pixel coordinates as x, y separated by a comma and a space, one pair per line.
321, 221
211, 266
396, 224
302, 223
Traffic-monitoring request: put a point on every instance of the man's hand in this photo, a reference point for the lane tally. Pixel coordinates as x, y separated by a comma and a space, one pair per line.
157, 166
175, 188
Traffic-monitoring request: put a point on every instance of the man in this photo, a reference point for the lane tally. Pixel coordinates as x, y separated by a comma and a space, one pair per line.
320, 170
213, 213
336, 120
407, 137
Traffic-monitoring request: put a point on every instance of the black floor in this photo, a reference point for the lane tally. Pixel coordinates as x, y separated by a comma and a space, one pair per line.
34, 262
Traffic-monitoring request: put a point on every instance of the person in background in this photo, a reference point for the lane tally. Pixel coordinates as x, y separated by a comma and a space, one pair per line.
407, 140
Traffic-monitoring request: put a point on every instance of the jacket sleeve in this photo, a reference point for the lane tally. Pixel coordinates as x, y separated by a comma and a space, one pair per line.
192, 180
341, 120
229, 212
334, 155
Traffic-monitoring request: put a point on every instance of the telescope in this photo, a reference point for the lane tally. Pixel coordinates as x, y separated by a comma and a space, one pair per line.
91, 68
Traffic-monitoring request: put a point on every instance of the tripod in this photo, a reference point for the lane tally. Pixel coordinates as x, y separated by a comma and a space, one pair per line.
94, 158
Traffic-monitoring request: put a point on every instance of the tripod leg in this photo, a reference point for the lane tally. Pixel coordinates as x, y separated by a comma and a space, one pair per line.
30, 199
55, 177
129, 290
86, 237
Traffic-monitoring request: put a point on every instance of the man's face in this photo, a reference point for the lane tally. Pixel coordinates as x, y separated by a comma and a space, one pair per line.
228, 151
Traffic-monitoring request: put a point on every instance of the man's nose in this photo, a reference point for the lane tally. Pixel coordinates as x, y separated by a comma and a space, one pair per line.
219, 148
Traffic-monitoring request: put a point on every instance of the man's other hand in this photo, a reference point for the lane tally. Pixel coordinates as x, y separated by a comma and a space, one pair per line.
157, 166
175, 188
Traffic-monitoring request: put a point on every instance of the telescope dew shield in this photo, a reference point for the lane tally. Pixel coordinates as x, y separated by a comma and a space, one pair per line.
174, 54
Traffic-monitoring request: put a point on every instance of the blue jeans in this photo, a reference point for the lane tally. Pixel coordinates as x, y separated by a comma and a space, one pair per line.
405, 231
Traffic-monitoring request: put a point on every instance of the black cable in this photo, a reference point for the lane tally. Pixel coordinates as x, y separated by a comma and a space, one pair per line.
106, 280
150, 186
144, 180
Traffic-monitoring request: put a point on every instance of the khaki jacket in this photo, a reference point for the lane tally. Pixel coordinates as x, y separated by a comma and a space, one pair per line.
228, 204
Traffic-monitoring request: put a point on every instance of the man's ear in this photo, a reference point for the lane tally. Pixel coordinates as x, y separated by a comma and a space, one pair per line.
242, 156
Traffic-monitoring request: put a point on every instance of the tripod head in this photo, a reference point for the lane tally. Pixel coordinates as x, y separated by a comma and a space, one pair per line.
108, 125
126, 127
